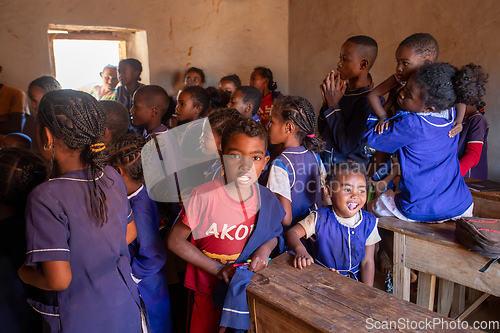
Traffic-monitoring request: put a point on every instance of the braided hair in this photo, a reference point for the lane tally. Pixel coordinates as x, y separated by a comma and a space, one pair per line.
126, 154
299, 111
77, 119
20, 171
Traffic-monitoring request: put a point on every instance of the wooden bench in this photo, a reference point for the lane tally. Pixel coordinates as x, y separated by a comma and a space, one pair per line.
486, 204
282, 298
432, 250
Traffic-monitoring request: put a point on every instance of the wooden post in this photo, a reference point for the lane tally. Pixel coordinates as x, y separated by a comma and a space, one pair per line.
401, 272
426, 290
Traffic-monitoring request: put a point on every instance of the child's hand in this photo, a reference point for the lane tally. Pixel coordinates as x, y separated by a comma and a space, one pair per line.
381, 126
333, 89
302, 259
457, 128
258, 262
226, 272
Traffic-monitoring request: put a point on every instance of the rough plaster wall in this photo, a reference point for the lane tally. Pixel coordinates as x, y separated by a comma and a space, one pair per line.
467, 31
219, 36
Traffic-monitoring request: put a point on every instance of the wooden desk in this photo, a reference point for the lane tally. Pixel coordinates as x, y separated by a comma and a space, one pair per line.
282, 298
486, 204
432, 250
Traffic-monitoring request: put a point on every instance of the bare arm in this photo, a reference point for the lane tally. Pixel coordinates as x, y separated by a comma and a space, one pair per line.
287, 206
131, 232
367, 266
457, 125
379, 91
302, 257
52, 275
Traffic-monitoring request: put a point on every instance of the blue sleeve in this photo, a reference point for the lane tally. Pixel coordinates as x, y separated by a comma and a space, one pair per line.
402, 132
347, 136
151, 255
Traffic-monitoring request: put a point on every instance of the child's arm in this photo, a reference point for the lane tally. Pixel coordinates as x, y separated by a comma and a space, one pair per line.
260, 258
287, 206
302, 257
131, 232
367, 266
457, 125
51, 275
395, 170
374, 100
178, 243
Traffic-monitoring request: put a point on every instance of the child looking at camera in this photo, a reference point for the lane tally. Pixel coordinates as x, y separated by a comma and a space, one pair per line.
345, 234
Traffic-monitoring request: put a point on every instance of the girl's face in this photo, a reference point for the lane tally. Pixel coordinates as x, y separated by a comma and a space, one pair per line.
408, 62
276, 129
193, 79
185, 109
409, 98
35, 94
209, 141
109, 78
348, 194
126, 74
227, 86
259, 82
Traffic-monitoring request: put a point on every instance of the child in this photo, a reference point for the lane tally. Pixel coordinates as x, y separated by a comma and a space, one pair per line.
147, 251
15, 140
194, 77
472, 145
229, 83
150, 104
14, 109
213, 127
117, 121
345, 234
342, 119
262, 79
295, 175
225, 224
431, 187
246, 99
129, 74
77, 244
107, 91
20, 172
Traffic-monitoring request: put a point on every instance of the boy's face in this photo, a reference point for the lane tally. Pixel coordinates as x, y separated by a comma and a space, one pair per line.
349, 65
348, 194
408, 62
109, 78
193, 79
410, 98
185, 109
141, 113
236, 102
126, 74
244, 159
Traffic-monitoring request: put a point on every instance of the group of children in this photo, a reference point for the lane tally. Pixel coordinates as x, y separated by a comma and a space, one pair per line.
268, 184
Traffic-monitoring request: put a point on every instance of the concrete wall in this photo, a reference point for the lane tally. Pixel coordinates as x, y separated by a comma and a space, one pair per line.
467, 31
219, 36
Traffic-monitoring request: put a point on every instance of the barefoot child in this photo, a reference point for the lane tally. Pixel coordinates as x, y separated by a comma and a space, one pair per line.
230, 220
345, 234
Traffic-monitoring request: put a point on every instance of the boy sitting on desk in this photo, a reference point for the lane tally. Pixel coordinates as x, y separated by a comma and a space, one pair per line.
230, 220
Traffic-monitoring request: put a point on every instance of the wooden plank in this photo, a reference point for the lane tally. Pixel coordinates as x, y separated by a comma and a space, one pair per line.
445, 297
453, 264
426, 290
473, 306
486, 207
458, 305
401, 273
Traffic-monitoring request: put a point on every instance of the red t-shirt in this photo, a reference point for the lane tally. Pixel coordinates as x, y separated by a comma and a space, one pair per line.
264, 111
220, 228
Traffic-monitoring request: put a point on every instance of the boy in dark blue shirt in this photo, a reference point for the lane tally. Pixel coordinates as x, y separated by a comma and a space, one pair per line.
342, 119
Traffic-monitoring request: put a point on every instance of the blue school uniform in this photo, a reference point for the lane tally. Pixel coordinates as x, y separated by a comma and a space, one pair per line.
148, 256
431, 186
60, 226
296, 175
341, 247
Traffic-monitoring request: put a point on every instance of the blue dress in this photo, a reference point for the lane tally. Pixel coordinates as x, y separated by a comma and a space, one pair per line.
60, 226
148, 258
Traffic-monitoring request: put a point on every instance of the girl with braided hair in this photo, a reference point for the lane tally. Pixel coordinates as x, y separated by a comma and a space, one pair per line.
78, 225
295, 175
148, 255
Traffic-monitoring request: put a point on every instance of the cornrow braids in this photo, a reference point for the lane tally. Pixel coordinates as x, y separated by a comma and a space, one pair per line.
126, 154
78, 120
299, 111
20, 172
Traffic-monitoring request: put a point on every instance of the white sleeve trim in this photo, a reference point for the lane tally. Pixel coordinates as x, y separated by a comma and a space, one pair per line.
279, 183
309, 224
374, 237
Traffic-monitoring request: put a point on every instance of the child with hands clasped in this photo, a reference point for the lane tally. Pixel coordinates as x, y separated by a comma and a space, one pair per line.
78, 225
230, 220
345, 234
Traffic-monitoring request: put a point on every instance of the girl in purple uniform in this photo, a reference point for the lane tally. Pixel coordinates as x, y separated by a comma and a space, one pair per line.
78, 225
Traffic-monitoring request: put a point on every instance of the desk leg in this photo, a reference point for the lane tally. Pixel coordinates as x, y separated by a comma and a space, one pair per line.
401, 273
426, 290
445, 297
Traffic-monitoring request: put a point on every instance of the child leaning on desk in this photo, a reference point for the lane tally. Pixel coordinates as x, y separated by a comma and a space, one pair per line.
345, 234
